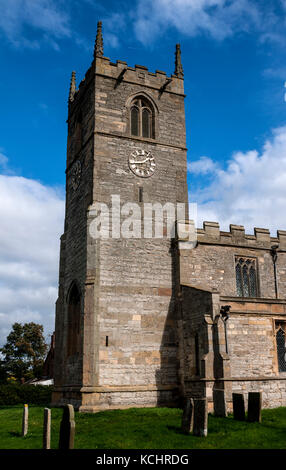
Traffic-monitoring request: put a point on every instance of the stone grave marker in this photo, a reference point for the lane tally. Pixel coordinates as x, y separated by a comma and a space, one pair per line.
188, 416
238, 406
67, 429
47, 429
254, 407
25, 420
200, 427
219, 403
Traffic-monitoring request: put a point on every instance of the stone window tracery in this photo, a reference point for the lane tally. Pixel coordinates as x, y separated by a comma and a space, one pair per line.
142, 118
280, 332
246, 277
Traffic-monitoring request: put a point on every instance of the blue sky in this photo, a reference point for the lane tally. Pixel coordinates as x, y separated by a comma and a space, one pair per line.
234, 59
234, 84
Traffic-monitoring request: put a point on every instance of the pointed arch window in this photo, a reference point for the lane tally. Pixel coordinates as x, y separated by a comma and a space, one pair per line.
246, 277
280, 328
73, 340
134, 120
142, 118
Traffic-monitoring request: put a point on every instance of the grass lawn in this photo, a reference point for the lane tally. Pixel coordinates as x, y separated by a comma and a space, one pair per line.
143, 428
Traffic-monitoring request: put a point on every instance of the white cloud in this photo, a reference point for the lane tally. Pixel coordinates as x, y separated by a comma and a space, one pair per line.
251, 191
114, 26
111, 40
29, 23
217, 18
3, 160
203, 166
275, 72
31, 216
45, 18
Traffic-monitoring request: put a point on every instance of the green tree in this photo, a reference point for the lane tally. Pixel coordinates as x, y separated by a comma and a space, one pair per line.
24, 351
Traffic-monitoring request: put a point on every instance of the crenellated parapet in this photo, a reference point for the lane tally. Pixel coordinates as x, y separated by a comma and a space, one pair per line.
139, 75
120, 72
211, 234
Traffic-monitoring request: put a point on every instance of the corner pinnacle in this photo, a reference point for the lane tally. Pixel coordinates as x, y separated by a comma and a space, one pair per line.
72, 87
178, 64
98, 47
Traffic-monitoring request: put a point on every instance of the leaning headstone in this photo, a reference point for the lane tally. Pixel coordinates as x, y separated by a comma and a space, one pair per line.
47, 429
67, 429
188, 416
219, 403
25, 420
254, 407
200, 427
238, 406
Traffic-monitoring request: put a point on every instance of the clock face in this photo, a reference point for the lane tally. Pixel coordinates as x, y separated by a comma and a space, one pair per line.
142, 163
75, 175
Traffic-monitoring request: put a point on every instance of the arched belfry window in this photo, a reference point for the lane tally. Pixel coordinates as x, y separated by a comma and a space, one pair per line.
73, 340
142, 118
246, 277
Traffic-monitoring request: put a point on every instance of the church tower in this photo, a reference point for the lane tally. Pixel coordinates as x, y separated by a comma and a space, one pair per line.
116, 327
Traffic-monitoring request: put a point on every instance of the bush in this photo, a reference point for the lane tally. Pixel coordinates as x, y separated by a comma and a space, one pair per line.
14, 394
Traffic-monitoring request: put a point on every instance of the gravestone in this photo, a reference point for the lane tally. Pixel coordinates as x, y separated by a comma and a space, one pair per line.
238, 406
188, 416
25, 420
219, 403
47, 429
200, 426
67, 429
254, 407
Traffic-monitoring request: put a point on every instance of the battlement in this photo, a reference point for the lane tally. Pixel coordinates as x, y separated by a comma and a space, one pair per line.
139, 74
121, 72
211, 234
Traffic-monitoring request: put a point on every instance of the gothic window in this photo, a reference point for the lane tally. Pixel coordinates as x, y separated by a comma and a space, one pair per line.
73, 321
280, 328
246, 277
134, 120
142, 118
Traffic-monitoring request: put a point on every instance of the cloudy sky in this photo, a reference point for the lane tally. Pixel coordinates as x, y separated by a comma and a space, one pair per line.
234, 58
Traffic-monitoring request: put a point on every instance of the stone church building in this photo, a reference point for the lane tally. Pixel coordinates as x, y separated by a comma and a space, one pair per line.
147, 321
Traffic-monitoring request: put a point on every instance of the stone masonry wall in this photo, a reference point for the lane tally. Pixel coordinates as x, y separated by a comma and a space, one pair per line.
74, 246
137, 278
129, 343
251, 325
